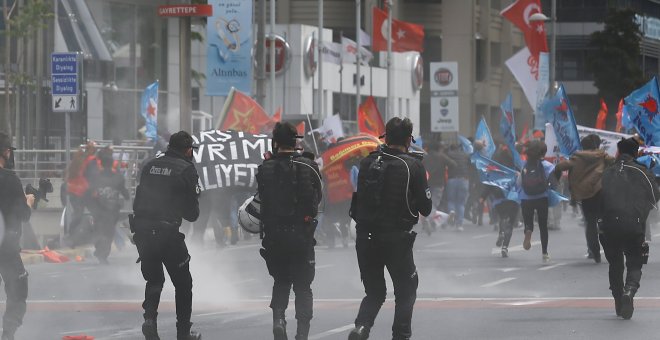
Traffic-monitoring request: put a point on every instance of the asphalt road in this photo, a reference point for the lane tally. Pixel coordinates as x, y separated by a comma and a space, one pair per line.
466, 291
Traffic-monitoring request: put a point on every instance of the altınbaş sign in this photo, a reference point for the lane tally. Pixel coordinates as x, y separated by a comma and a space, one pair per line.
444, 97
229, 47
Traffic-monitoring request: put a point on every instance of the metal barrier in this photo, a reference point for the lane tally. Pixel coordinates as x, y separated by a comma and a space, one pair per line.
31, 165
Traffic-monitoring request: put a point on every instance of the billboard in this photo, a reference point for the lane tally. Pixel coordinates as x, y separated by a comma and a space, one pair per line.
229, 47
444, 96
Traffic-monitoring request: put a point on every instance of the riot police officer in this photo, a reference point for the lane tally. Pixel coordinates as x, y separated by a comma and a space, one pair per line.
392, 191
289, 186
168, 192
15, 208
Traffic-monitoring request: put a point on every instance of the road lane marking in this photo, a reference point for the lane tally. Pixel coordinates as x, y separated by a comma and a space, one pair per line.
436, 244
325, 266
498, 282
521, 303
506, 270
331, 332
481, 236
552, 266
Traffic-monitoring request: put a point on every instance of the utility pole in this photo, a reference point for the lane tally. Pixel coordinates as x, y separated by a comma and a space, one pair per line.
261, 54
185, 104
7, 115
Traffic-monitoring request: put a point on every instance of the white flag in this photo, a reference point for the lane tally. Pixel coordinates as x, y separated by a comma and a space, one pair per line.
349, 52
332, 129
331, 52
366, 39
525, 69
551, 141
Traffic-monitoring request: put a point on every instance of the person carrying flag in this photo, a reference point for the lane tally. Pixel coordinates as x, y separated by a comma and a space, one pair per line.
585, 170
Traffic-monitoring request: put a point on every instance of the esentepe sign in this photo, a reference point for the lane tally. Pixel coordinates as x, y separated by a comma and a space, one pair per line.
185, 11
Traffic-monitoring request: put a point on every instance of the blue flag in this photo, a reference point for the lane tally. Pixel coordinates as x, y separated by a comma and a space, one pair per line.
642, 107
483, 135
466, 145
558, 112
150, 110
496, 174
508, 130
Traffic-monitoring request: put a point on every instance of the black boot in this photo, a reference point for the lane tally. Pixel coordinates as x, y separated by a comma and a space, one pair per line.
359, 333
150, 328
617, 305
183, 332
303, 330
279, 324
627, 306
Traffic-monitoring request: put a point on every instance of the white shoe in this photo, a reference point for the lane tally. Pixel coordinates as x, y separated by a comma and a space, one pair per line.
546, 258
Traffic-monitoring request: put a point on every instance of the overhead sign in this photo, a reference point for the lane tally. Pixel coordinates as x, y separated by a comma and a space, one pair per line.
185, 11
65, 81
444, 96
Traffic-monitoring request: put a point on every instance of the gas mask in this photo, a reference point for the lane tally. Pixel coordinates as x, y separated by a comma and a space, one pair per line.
9, 161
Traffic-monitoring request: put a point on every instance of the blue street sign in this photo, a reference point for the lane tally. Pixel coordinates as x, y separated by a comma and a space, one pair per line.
65, 81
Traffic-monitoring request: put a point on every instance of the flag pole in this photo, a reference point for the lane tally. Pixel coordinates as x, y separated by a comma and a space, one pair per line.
272, 56
320, 62
311, 130
389, 111
358, 24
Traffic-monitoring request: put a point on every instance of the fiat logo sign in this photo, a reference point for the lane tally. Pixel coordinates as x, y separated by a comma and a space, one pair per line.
443, 77
282, 54
309, 56
417, 73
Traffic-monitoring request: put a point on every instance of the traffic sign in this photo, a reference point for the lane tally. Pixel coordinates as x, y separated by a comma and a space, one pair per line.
65, 81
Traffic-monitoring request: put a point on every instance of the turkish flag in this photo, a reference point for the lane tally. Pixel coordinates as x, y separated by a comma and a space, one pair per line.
369, 119
602, 115
242, 113
619, 116
534, 31
405, 36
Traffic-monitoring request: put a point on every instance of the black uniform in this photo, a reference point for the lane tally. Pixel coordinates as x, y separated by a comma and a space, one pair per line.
168, 192
289, 186
392, 192
15, 210
628, 194
105, 204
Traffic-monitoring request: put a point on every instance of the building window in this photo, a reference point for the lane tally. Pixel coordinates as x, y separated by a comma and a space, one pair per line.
495, 54
571, 65
480, 59
496, 4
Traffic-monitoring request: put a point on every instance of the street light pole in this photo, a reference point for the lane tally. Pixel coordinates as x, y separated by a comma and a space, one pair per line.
553, 46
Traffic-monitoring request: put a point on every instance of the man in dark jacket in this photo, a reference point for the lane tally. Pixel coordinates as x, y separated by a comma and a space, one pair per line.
585, 170
392, 191
14, 210
168, 192
628, 195
289, 186
107, 189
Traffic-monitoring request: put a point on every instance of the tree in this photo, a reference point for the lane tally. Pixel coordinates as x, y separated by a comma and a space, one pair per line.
614, 58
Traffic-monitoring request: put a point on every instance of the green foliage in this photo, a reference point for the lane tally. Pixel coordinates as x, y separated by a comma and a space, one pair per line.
614, 60
30, 18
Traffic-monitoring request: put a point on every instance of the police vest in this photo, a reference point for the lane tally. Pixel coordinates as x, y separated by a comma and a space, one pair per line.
289, 189
383, 200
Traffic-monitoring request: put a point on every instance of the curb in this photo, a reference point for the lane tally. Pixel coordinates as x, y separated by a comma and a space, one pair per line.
29, 258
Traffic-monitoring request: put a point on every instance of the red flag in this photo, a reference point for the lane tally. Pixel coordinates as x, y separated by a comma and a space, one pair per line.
277, 117
619, 116
602, 115
242, 113
534, 31
301, 128
406, 36
523, 135
369, 119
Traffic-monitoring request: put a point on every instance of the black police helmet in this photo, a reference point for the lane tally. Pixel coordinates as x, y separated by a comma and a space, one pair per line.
628, 146
181, 141
5, 142
397, 131
285, 134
